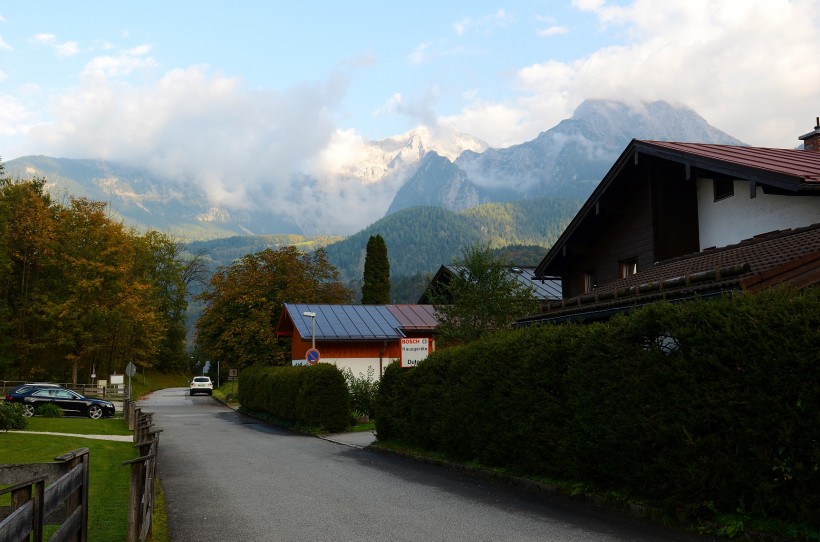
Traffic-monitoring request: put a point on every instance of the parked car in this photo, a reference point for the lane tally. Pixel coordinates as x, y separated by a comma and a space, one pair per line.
72, 403
202, 384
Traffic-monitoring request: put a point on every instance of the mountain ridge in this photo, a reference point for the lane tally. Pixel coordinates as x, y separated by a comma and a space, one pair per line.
418, 168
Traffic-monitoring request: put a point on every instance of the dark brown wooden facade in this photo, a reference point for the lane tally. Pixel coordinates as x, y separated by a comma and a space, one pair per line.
649, 215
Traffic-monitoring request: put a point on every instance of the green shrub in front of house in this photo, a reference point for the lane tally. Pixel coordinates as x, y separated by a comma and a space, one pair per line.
699, 406
314, 396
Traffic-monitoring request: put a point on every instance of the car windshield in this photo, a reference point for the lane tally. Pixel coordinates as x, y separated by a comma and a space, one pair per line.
202, 379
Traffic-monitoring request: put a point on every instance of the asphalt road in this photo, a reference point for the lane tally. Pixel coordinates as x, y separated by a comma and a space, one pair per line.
230, 478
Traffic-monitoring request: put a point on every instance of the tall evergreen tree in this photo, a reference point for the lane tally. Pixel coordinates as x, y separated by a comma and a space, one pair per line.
376, 286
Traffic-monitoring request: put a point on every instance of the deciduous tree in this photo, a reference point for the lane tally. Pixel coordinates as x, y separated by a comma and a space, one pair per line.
244, 301
483, 297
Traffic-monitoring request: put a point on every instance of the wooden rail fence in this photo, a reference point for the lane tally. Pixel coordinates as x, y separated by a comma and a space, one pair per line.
143, 472
57, 493
64, 502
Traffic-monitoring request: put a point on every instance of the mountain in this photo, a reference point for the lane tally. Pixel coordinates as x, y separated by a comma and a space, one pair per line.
567, 160
420, 239
145, 199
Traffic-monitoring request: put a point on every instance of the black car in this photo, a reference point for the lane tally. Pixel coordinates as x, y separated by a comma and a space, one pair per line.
72, 403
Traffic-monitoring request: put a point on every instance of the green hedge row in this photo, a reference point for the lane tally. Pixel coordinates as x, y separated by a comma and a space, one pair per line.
315, 396
702, 405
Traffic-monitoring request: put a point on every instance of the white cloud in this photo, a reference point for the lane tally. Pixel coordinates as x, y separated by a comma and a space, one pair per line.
745, 65
64, 50
5, 46
483, 25
554, 30
419, 54
244, 147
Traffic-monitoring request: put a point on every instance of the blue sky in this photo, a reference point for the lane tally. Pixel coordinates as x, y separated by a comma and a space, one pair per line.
183, 83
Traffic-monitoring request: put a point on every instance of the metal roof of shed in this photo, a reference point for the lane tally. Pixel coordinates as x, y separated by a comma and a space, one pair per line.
358, 322
345, 322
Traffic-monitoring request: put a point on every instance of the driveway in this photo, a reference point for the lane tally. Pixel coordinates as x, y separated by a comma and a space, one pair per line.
229, 477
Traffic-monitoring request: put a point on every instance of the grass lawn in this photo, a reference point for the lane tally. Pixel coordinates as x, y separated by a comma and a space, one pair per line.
78, 425
108, 490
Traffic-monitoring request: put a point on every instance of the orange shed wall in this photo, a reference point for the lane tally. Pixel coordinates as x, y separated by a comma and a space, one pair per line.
349, 349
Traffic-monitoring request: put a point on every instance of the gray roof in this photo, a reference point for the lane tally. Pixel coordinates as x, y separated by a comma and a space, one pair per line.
544, 289
345, 322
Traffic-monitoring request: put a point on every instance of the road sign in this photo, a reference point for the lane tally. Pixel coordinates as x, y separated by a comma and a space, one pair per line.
312, 356
130, 369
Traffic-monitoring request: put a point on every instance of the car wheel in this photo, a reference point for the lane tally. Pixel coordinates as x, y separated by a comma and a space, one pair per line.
192, 393
28, 410
95, 412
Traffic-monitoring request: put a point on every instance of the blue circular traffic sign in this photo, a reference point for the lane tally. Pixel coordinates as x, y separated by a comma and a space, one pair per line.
312, 356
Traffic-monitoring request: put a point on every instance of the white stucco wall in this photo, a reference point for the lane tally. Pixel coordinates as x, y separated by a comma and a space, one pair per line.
357, 365
740, 217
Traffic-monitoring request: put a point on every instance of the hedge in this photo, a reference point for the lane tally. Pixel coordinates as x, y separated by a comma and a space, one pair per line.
314, 396
701, 405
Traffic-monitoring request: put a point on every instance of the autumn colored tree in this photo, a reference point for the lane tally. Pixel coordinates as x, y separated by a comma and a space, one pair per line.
79, 292
376, 279
244, 301
27, 237
481, 298
159, 262
110, 312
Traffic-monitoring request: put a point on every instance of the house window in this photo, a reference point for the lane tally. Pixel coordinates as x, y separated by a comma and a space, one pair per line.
589, 283
724, 188
627, 268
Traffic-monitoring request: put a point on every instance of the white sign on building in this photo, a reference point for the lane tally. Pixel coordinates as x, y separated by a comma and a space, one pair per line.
413, 351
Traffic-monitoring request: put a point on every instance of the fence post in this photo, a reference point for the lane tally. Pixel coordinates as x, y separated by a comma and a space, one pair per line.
143, 470
80, 497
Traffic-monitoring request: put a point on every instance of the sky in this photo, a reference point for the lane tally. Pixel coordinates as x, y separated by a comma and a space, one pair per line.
211, 89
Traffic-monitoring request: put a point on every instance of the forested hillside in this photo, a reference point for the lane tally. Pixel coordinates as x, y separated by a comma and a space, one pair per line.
420, 239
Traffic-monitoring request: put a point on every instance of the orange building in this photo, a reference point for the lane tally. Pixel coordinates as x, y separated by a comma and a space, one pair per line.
358, 336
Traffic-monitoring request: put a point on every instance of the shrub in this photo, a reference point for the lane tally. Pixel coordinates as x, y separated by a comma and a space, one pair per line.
49, 410
11, 417
684, 404
363, 390
314, 396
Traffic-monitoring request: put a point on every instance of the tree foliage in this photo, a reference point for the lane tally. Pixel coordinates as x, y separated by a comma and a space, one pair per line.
79, 293
482, 298
376, 285
244, 301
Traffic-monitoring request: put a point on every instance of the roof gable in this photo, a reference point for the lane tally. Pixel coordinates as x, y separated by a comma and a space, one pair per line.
790, 170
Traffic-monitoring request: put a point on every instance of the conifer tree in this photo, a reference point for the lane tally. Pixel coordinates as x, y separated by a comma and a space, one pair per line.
376, 284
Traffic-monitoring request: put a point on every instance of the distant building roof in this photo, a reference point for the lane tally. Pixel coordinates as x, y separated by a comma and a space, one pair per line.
548, 288
355, 322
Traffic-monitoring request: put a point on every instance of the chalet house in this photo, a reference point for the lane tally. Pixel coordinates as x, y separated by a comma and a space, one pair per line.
544, 289
357, 336
674, 220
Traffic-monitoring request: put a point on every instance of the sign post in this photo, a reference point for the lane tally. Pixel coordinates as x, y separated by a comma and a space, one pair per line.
130, 370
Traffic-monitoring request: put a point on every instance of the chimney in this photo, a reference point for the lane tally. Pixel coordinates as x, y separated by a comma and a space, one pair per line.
811, 141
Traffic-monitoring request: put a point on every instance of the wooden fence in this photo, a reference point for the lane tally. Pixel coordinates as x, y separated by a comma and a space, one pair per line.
64, 502
143, 472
